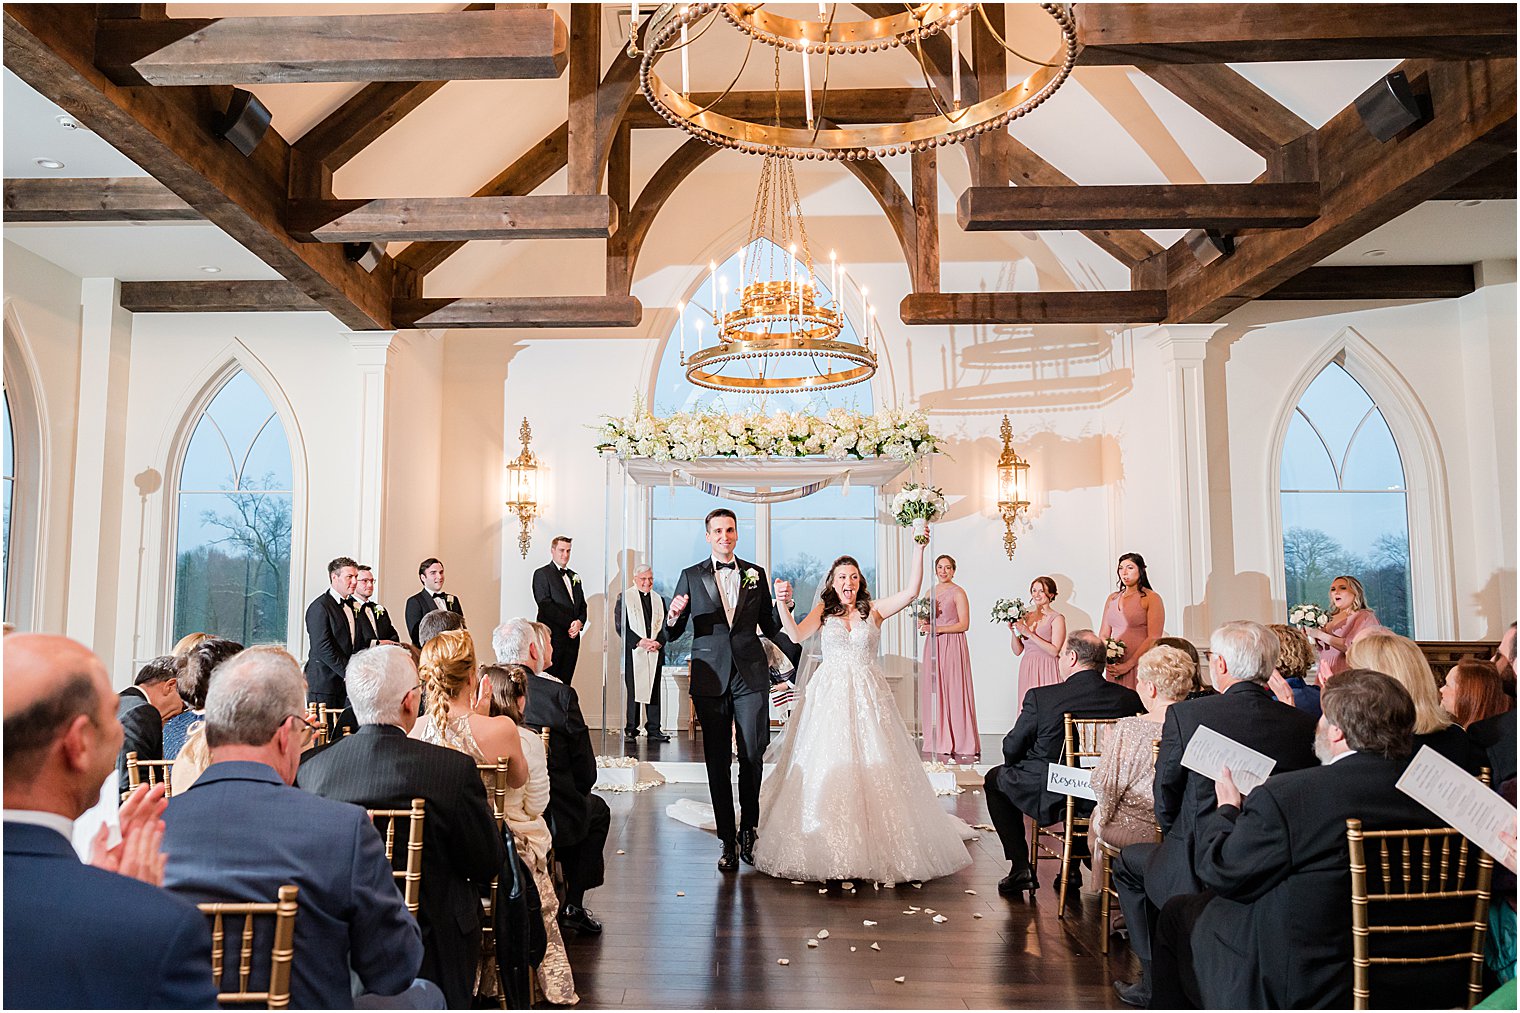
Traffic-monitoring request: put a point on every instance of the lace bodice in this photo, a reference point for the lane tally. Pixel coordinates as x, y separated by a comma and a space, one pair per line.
859, 643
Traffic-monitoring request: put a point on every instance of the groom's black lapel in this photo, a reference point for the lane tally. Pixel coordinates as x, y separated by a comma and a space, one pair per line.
710, 581
739, 568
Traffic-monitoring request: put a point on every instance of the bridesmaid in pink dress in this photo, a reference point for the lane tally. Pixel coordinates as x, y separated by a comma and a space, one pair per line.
1134, 614
1349, 617
947, 698
1038, 639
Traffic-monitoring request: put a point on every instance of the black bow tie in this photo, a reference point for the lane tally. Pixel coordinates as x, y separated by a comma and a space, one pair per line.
727, 566
349, 600
368, 605
564, 571
440, 596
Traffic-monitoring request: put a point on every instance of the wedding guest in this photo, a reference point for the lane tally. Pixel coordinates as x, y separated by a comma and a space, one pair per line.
378, 628
524, 811
948, 702
1124, 778
192, 682
561, 607
1037, 639
142, 708
436, 622
1133, 614
1474, 692
1349, 616
183, 645
643, 652
1401, 659
430, 598
1200, 683
1295, 660
450, 682
332, 626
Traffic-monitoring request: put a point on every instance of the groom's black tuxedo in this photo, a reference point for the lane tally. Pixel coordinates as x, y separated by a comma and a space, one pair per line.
730, 681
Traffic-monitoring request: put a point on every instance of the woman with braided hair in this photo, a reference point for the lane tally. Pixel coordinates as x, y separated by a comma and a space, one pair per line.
457, 716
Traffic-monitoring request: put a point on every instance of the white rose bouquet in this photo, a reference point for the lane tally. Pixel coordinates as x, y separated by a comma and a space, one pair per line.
1308, 615
915, 506
1008, 610
922, 610
1114, 649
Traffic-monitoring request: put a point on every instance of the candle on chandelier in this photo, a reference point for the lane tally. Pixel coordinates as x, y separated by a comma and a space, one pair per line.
823, 13
634, 23
685, 64
870, 324
699, 334
834, 277
955, 63
807, 86
681, 311
723, 286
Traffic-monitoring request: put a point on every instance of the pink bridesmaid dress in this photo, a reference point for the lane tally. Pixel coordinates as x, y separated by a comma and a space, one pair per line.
1346, 629
948, 701
1126, 619
1036, 668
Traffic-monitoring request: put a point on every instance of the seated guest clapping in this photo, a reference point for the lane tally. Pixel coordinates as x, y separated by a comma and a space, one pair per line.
579, 820
1401, 660
241, 832
379, 767
524, 810
1274, 929
84, 936
1123, 779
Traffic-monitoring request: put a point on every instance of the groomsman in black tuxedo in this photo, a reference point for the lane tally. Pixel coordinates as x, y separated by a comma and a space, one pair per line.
561, 607
334, 628
377, 625
728, 601
430, 598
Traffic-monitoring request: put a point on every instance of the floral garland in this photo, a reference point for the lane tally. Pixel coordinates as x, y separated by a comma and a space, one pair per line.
837, 434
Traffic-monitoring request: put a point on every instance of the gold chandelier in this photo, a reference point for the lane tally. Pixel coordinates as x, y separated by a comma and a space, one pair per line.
670, 31
784, 334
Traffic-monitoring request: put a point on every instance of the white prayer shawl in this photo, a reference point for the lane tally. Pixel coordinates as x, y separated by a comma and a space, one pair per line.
646, 664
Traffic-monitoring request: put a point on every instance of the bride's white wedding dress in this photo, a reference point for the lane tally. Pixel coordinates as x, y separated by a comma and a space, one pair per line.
848, 798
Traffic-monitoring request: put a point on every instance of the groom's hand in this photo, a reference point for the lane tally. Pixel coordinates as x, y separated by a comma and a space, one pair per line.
677, 606
784, 593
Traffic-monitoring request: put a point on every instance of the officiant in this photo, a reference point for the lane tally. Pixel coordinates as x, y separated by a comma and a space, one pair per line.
643, 635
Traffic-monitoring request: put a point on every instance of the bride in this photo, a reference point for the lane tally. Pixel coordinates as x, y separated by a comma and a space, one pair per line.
848, 798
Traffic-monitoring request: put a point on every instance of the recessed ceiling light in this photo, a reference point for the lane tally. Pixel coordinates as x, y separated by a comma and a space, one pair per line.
68, 122
1468, 203
48, 163
1376, 253
211, 269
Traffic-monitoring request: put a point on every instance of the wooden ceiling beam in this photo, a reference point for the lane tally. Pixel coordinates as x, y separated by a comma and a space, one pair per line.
1496, 182
521, 311
215, 297
165, 131
1134, 34
1034, 307
118, 199
1232, 103
449, 46
1227, 206
451, 219
1364, 184
1395, 281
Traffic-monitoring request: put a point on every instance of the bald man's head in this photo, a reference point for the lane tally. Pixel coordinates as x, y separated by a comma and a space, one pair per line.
56, 695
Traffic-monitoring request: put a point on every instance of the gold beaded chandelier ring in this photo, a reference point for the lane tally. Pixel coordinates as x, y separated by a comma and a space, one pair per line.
669, 29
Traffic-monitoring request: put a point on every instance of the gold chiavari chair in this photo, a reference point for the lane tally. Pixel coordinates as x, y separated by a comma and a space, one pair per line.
282, 953
1088, 732
314, 713
410, 874
556, 871
494, 776
1411, 874
329, 718
1108, 894
149, 771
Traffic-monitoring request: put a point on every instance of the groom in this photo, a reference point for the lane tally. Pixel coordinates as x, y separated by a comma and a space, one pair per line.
729, 603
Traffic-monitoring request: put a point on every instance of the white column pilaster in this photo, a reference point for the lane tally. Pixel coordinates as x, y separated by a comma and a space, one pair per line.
1183, 348
372, 353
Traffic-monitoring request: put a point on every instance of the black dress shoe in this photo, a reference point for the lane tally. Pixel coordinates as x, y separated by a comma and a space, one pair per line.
1017, 883
630, 733
657, 736
729, 860
1134, 993
578, 919
747, 846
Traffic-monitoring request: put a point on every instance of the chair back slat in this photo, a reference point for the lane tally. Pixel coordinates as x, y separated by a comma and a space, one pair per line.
410, 874
152, 772
282, 949
494, 777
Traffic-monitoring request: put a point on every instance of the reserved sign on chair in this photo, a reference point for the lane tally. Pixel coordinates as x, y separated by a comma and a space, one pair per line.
1064, 780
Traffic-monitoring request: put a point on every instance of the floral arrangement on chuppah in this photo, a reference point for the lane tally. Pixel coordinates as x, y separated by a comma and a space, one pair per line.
838, 434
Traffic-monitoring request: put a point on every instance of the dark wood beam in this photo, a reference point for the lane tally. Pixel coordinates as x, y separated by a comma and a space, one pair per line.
164, 131
1232, 103
450, 46
521, 311
215, 297
1141, 33
585, 78
1228, 206
1034, 307
924, 267
1496, 182
440, 219
1364, 184
842, 105
118, 199
1420, 281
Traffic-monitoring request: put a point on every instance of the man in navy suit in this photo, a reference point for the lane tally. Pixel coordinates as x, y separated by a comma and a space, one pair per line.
241, 831
1017, 786
80, 936
333, 628
431, 598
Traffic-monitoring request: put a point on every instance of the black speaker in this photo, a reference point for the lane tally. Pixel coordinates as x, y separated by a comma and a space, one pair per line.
366, 255
1390, 107
245, 122
1209, 245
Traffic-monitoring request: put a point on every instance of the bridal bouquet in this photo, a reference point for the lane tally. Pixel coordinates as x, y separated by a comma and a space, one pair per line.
1008, 610
1114, 649
1308, 615
922, 610
916, 505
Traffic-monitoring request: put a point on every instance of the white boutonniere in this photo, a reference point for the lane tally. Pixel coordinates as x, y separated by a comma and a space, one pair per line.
379, 610
575, 578
751, 577
449, 599
357, 606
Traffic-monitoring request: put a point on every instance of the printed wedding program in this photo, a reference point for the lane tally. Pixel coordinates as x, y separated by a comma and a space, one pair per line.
1471, 807
1208, 752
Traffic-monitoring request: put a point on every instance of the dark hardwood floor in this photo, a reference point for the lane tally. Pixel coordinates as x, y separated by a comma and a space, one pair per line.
680, 934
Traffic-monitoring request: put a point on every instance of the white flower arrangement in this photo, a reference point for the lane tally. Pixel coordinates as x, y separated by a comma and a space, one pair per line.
1114, 649
1308, 615
922, 610
751, 577
916, 505
896, 433
1008, 610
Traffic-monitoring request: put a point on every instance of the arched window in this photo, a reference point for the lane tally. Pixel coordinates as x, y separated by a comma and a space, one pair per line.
10, 485
232, 549
1344, 500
